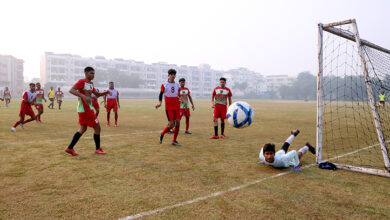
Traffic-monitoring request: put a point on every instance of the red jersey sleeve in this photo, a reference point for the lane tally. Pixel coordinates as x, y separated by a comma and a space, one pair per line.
188, 92
25, 97
80, 84
162, 88
214, 93
230, 93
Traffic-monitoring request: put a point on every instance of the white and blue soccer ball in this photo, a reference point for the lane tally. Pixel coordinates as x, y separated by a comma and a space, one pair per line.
240, 114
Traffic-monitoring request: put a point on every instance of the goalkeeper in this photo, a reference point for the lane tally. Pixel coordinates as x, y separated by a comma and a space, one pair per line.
282, 159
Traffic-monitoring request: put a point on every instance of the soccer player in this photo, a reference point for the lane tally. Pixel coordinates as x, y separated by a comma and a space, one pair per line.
220, 95
382, 99
95, 103
59, 95
170, 90
25, 107
184, 107
282, 159
111, 101
38, 102
7, 96
51, 98
87, 118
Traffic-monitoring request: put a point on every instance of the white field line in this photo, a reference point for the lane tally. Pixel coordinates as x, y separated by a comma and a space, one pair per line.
151, 212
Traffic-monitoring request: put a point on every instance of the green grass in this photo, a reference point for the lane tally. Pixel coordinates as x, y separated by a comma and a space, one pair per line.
39, 181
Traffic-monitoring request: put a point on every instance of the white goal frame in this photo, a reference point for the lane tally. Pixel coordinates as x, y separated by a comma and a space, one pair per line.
359, 43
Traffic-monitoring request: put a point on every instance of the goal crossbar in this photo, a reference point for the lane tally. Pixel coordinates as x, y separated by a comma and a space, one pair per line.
351, 37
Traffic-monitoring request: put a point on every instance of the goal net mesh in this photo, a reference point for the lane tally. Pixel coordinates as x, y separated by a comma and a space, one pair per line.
349, 135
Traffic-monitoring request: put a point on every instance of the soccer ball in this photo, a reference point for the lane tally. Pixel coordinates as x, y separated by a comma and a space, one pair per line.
240, 114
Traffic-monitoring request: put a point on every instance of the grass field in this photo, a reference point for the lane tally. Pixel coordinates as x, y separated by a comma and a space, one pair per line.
39, 181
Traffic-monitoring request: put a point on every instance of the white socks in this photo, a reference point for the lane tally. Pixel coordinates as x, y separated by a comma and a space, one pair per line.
303, 150
290, 139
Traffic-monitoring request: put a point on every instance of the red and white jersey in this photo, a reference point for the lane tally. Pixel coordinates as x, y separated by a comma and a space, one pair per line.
7, 94
29, 96
86, 88
171, 95
221, 95
184, 92
59, 93
113, 94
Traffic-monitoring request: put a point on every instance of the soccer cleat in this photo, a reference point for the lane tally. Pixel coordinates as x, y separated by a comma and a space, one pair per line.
311, 148
176, 143
214, 137
161, 138
71, 152
222, 136
295, 132
13, 129
297, 169
187, 132
100, 151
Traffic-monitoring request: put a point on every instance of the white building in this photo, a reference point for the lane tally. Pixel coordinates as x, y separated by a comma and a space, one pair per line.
255, 82
274, 82
11, 74
65, 69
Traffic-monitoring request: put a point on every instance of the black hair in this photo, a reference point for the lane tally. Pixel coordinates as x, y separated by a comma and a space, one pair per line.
31, 84
222, 78
171, 72
88, 69
111, 82
269, 147
37, 83
182, 80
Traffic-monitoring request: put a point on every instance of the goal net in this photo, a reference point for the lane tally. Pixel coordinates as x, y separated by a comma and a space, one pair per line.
353, 129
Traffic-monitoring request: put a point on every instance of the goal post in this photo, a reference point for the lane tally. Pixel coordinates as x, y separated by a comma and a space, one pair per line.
352, 126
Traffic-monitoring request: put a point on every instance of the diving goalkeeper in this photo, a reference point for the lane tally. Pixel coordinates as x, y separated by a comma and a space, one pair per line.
282, 159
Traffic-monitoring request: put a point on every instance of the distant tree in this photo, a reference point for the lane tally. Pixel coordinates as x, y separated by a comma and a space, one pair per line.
304, 87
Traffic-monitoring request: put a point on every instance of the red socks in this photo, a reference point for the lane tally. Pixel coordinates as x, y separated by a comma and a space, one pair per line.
27, 121
16, 124
166, 129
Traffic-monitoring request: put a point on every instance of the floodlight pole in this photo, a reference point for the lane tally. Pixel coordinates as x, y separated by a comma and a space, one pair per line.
319, 96
371, 97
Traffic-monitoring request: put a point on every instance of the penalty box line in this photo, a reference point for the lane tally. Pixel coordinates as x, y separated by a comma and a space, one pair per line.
188, 202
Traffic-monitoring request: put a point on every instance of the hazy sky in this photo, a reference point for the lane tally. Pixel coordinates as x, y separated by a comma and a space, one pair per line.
271, 37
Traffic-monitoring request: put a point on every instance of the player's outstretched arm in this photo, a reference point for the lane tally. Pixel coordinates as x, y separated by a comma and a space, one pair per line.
160, 100
43, 96
192, 103
117, 99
